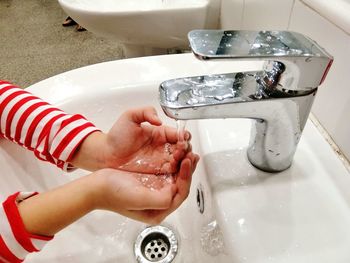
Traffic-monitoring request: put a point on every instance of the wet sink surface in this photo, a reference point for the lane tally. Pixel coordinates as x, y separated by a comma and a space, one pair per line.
299, 215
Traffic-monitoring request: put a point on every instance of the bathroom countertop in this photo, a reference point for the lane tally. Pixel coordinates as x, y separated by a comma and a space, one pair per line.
336, 11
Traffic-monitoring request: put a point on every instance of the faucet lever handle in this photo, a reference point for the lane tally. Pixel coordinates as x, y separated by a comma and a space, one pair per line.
303, 57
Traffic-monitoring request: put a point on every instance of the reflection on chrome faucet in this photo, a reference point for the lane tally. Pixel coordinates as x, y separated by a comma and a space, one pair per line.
279, 97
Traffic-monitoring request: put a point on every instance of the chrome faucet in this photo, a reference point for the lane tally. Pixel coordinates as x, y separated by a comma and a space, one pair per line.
278, 97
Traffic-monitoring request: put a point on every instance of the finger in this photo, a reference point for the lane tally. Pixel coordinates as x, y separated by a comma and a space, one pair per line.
185, 171
180, 151
197, 158
146, 114
178, 155
183, 183
188, 136
189, 147
151, 116
183, 189
170, 134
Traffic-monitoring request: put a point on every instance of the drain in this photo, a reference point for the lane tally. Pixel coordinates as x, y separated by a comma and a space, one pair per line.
156, 244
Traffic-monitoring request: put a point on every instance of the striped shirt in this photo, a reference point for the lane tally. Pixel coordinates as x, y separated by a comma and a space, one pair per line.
53, 136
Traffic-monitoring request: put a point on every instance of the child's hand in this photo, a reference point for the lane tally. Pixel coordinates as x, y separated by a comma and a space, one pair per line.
144, 197
134, 146
128, 194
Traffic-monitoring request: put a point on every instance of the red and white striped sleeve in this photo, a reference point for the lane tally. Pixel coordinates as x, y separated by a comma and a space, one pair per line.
53, 136
50, 133
15, 242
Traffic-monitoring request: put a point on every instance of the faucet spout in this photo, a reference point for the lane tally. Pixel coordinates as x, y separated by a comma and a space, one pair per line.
278, 98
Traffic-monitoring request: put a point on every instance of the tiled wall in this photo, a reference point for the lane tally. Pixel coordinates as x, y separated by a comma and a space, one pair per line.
255, 14
332, 104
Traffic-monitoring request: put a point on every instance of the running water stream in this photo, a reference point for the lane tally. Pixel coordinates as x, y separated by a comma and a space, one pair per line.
181, 125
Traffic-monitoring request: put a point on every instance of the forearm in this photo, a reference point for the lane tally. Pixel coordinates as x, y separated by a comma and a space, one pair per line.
50, 133
28, 221
47, 213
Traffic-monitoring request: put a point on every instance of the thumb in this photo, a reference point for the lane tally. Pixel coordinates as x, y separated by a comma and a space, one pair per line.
146, 114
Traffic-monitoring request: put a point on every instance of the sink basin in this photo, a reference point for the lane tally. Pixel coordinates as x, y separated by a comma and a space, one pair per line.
234, 213
142, 23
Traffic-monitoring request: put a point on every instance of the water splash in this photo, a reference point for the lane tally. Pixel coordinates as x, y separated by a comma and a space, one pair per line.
155, 182
212, 239
150, 164
106, 245
140, 163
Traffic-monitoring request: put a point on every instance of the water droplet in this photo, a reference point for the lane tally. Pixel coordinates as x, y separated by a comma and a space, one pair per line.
192, 101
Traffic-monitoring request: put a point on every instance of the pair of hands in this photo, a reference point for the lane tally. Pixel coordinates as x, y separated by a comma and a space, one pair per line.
142, 156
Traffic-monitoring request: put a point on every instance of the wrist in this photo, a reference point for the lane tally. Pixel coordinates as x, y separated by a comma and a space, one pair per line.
100, 192
89, 192
93, 191
89, 155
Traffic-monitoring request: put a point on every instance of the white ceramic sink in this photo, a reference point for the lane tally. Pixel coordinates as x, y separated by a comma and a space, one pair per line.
145, 23
299, 215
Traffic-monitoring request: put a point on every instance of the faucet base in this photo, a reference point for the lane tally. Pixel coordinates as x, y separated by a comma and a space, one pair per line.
274, 137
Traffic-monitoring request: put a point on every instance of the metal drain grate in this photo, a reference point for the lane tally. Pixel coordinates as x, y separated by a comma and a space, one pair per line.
156, 250
156, 244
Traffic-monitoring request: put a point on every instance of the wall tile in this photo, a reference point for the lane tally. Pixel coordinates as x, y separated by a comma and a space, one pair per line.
266, 14
231, 14
332, 104
255, 14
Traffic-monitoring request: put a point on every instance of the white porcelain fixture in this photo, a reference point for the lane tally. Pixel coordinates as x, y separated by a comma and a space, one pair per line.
299, 215
144, 23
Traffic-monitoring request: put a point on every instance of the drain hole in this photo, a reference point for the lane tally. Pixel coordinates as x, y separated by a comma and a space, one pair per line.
156, 244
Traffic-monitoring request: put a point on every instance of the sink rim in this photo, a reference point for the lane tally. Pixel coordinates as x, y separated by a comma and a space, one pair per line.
152, 9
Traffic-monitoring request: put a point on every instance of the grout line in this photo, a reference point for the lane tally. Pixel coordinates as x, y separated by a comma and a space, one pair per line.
330, 141
290, 15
